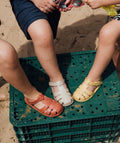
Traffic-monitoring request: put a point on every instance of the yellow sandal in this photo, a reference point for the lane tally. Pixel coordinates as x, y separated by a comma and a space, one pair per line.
82, 93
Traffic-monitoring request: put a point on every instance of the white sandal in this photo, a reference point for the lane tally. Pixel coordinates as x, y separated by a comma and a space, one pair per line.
63, 96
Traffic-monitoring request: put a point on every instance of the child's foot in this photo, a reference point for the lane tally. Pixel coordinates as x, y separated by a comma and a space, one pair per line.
61, 93
46, 106
86, 90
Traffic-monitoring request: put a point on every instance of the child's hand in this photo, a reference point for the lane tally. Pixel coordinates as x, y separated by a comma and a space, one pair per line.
45, 6
107, 5
94, 3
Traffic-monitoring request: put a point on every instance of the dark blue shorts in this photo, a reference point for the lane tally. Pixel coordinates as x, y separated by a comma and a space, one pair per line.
26, 13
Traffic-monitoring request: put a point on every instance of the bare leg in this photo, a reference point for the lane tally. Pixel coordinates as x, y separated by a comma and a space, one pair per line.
107, 38
44, 48
45, 52
11, 70
14, 74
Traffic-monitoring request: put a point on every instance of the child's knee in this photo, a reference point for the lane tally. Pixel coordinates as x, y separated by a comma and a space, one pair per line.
43, 39
110, 31
8, 54
105, 33
40, 32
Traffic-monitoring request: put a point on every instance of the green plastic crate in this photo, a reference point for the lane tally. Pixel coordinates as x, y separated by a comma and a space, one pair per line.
95, 120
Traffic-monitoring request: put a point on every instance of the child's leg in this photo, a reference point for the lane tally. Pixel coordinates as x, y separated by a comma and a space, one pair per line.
107, 38
12, 71
44, 49
41, 28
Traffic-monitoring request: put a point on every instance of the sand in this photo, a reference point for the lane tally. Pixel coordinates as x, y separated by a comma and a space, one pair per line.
80, 27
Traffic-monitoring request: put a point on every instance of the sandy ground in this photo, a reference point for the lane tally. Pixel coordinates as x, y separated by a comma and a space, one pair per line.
80, 27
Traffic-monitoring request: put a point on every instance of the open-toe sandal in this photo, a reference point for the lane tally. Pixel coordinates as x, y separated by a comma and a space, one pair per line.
62, 95
48, 107
83, 93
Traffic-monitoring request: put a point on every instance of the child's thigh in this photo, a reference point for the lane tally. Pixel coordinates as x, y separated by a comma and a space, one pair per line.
40, 30
26, 13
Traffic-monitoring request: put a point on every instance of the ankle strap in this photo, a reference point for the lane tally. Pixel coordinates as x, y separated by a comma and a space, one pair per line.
58, 83
28, 97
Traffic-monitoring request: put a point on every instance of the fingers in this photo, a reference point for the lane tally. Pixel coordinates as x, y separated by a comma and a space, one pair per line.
49, 7
64, 10
67, 2
86, 1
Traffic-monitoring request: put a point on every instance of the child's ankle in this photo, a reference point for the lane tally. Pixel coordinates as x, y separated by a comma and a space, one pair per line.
93, 78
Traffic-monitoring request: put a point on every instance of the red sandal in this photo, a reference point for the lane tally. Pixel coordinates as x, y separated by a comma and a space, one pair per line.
50, 108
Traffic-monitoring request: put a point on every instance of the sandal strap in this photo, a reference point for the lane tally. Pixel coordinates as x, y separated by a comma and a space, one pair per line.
50, 107
62, 95
62, 91
58, 83
93, 83
40, 98
82, 93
